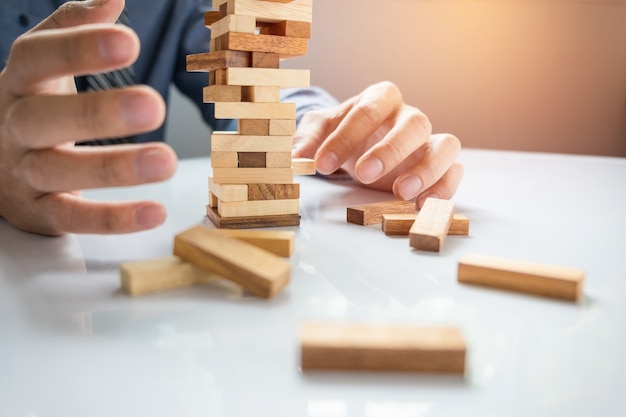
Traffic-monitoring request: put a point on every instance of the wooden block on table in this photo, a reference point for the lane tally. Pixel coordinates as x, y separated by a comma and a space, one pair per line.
268, 77
233, 23
265, 60
279, 160
368, 214
222, 93
155, 275
281, 243
258, 208
260, 94
522, 276
286, 47
303, 166
253, 175
255, 110
260, 272
269, 11
363, 347
255, 127
431, 225
228, 192
252, 159
233, 142
224, 160
400, 224
282, 127
251, 222
273, 192
212, 61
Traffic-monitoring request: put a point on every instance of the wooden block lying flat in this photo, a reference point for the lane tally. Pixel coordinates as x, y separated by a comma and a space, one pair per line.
253, 175
258, 208
222, 93
273, 192
400, 224
431, 225
232, 142
267, 11
265, 60
248, 42
155, 275
260, 272
331, 346
279, 160
282, 127
255, 110
224, 160
290, 29
368, 214
260, 94
522, 276
303, 166
251, 222
233, 23
229, 192
268, 77
281, 243
252, 160
212, 61
255, 127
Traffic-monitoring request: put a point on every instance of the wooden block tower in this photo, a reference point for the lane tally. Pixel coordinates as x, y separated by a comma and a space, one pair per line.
253, 172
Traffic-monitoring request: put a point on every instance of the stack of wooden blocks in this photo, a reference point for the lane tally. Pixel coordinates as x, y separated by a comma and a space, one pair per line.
253, 171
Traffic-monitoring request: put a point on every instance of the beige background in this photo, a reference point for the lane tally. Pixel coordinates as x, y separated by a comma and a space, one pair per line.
533, 75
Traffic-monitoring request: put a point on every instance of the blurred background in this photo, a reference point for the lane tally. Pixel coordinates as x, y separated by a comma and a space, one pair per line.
530, 75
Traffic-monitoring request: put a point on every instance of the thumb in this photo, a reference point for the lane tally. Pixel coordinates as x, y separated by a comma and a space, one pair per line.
75, 13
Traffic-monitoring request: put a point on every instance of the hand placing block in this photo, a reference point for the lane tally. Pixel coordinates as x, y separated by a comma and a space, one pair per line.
431, 225
523, 276
260, 272
368, 347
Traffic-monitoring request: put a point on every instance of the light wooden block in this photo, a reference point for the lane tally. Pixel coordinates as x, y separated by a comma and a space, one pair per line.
224, 160
285, 47
258, 208
233, 142
260, 94
268, 77
255, 110
304, 166
228, 192
368, 214
233, 23
431, 225
541, 279
268, 11
222, 93
400, 224
260, 272
212, 61
273, 192
279, 160
281, 243
156, 275
278, 127
377, 347
256, 222
253, 175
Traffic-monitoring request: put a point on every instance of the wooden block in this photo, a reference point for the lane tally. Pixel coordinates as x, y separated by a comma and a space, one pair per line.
211, 61
268, 11
400, 224
222, 93
253, 175
522, 276
265, 60
233, 142
155, 275
224, 160
368, 214
213, 200
252, 222
233, 23
285, 47
279, 160
273, 192
278, 127
281, 243
255, 127
370, 347
252, 159
303, 166
228, 192
260, 94
279, 1
260, 272
255, 110
258, 208
268, 77
431, 225
211, 17
288, 28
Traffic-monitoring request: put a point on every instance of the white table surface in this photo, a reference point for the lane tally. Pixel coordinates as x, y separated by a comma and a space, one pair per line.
71, 344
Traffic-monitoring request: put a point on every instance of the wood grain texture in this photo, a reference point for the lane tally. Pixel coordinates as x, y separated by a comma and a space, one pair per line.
260, 272
264, 60
304, 166
268, 77
233, 23
400, 224
281, 243
369, 347
251, 222
368, 214
247, 42
222, 93
260, 94
288, 28
273, 191
280, 127
233, 142
228, 192
528, 277
212, 61
224, 160
269, 11
431, 226
255, 127
257, 208
253, 175
255, 110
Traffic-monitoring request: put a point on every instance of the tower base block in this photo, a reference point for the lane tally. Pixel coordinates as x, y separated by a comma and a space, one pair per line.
251, 222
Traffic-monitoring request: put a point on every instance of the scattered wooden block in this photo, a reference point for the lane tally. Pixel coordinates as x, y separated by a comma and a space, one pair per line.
260, 272
522, 276
400, 224
431, 225
303, 166
251, 222
332, 346
155, 275
368, 214
281, 243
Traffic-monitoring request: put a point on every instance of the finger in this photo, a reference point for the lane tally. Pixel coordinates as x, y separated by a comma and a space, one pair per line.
46, 55
46, 170
439, 154
69, 213
446, 186
375, 105
75, 13
409, 132
106, 114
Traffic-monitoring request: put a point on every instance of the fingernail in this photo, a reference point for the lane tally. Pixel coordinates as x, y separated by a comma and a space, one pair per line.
153, 165
138, 110
370, 169
327, 163
150, 216
409, 187
114, 47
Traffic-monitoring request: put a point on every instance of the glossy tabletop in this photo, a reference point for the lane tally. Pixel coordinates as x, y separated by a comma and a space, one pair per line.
73, 345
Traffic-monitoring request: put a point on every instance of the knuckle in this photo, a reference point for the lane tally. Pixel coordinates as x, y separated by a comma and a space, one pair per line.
369, 112
418, 121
